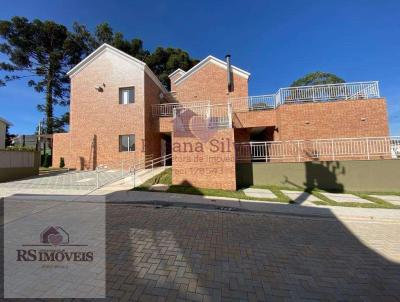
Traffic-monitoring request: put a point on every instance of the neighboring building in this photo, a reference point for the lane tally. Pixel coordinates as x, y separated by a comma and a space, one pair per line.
25, 140
121, 112
3, 130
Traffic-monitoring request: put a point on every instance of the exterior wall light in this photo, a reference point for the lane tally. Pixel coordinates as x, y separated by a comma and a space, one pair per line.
100, 87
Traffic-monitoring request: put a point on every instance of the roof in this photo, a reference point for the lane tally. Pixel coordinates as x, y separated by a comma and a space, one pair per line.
175, 72
210, 59
5, 121
106, 47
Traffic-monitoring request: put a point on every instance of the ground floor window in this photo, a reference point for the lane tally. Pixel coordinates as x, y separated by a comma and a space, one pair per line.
127, 142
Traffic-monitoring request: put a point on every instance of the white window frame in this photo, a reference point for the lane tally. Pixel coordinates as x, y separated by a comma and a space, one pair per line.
129, 143
124, 93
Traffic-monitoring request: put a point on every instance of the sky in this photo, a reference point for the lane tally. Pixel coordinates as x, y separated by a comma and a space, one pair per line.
276, 41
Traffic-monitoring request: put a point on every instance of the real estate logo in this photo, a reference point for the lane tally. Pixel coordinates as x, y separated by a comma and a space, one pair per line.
54, 246
190, 123
54, 235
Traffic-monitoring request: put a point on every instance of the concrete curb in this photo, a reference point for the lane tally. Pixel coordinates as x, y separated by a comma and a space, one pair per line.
219, 203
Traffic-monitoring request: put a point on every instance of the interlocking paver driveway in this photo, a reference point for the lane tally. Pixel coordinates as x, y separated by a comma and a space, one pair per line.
172, 254
83, 181
180, 254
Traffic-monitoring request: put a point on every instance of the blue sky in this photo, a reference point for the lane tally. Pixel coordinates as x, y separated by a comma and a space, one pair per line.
276, 41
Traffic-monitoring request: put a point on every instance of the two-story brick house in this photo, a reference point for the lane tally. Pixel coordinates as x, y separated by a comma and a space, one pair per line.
120, 112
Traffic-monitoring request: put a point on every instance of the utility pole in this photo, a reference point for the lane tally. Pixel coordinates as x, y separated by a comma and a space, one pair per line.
38, 138
44, 145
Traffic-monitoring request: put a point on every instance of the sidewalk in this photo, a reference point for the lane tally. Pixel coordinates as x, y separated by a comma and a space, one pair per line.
221, 203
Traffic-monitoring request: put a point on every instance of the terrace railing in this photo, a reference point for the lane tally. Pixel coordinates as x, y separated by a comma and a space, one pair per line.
202, 117
342, 91
316, 93
260, 102
167, 109
366, 148
289, 95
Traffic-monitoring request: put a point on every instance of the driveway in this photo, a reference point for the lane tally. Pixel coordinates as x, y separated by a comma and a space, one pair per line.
172, 254
72, 182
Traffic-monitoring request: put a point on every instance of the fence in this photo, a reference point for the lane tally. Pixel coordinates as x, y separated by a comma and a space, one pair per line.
344, 91
289, 95
367, 148
260, 102
17, 159
202, 117
148, 164
18, 164
167, 109
315, 93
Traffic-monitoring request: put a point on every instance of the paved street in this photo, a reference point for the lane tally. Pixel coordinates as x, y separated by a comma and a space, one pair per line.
159, 254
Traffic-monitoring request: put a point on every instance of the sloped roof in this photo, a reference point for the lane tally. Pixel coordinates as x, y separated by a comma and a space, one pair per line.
106, 47
210, 59
5, 121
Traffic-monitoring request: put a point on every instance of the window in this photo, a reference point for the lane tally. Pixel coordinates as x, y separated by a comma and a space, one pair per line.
127, 95
127, 143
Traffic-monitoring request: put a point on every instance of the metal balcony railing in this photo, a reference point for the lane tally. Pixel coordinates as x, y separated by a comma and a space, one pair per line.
202, 117
366, 148
167, 109
289, 95
301, 94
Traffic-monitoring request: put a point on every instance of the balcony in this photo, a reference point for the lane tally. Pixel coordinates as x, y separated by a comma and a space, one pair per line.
289, 95
361, 148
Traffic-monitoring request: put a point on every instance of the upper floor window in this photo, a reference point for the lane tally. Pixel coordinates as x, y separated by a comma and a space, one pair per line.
127, 142
127, 95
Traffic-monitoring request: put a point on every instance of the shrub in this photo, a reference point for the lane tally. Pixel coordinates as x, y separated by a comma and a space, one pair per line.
46, 160
62, 163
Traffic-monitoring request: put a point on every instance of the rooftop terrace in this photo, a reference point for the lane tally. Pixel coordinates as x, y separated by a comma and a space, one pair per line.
289, 95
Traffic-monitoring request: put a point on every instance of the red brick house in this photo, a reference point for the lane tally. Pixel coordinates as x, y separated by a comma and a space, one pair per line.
121, 113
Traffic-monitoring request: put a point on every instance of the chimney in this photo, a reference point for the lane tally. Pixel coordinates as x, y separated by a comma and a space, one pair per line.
229, 73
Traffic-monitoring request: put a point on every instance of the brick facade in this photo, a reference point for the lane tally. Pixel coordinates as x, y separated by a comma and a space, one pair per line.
210, 83
97, 119
205, 164
335, 119
338, 119
61, 148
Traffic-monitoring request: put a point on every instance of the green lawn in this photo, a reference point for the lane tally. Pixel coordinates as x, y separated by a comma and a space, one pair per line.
166, 178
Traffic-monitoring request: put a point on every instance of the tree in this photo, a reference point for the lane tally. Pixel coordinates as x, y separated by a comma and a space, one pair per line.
42, 52
9, 137
164, 61
317, 78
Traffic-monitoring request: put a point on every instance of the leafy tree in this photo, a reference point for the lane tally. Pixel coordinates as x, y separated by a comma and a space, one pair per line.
317, 78
42, 52
164, 61
9, 137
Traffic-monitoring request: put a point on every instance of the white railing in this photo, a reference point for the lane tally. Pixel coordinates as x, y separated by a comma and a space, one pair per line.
316, 93
342, 91
202, 117
167, 109
148, 165
260, 102
367, 148
289, 95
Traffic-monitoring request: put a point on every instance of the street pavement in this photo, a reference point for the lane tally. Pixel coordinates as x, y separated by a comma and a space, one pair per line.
156, 253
